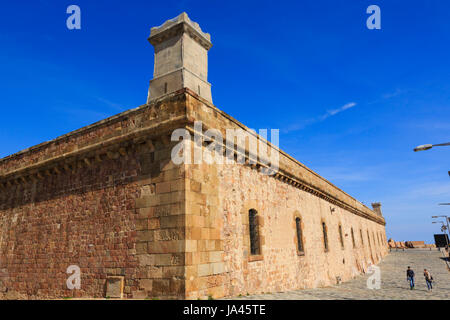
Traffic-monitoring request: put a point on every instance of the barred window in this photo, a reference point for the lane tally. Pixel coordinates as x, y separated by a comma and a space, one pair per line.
254, 232
341, 238
353, 238
325, 236
298, 226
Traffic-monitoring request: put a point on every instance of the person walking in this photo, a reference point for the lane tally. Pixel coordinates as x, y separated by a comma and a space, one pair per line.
428, 279
410, 277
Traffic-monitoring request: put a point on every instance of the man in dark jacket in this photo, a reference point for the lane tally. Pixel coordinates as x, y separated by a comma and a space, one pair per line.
410, 277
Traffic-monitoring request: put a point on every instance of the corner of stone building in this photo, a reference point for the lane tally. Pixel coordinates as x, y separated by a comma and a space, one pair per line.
179, 246
204, 261
160, 205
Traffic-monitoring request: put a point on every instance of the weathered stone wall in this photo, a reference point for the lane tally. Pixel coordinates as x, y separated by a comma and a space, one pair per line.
280, 267
85, 219
219, 199
106, 198
109, 199
218, 257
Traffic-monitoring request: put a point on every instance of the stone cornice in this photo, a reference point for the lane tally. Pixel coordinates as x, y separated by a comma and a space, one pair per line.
177, 26
111, 145
119, 144
288, 178
81, 131
284, 174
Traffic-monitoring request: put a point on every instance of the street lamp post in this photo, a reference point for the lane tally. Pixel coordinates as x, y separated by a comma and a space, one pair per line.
445, 226
424, 147
429, 146
442, 229
446, 221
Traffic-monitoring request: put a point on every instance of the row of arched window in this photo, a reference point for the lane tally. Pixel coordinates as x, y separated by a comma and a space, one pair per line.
379, 237
255, 247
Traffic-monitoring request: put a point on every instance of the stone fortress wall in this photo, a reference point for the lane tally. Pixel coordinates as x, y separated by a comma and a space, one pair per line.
223, 196
109, 199
97, 198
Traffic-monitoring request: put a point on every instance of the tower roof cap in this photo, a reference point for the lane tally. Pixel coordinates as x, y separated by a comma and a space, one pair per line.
178, 25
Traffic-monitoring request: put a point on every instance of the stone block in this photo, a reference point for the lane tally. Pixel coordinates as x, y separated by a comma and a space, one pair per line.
204, 270
161, 287
146, 259
154, 223
114, 286
172, 246
163, 187
145, 235
141, 248
172, 221
218, 267
215, 256
169, 272
146, 284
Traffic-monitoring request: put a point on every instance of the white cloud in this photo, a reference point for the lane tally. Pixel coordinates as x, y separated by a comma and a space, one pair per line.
329, 113
111, 104
394, 93
336, 111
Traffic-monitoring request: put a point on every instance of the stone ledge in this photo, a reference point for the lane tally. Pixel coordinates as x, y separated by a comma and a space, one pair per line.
286, 174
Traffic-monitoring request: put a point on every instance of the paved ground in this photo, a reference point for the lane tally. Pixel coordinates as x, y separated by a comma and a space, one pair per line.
393, 281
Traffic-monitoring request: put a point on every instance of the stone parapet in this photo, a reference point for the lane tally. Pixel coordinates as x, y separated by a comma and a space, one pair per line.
290, 170
160, 116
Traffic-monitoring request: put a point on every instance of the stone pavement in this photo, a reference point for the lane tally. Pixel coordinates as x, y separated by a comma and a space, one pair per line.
394, 285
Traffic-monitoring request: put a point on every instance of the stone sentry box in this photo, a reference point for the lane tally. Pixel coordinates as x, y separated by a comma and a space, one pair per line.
181, 58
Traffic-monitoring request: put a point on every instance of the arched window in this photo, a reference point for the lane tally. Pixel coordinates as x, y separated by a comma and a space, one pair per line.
325, 236
341, 238
254, 232
362, 238
353, 237
298, 226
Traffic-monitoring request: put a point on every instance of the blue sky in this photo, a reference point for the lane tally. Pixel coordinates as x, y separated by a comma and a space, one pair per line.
350, 103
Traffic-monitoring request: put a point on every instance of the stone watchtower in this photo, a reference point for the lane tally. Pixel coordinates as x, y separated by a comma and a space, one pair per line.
181, 58
377, 208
